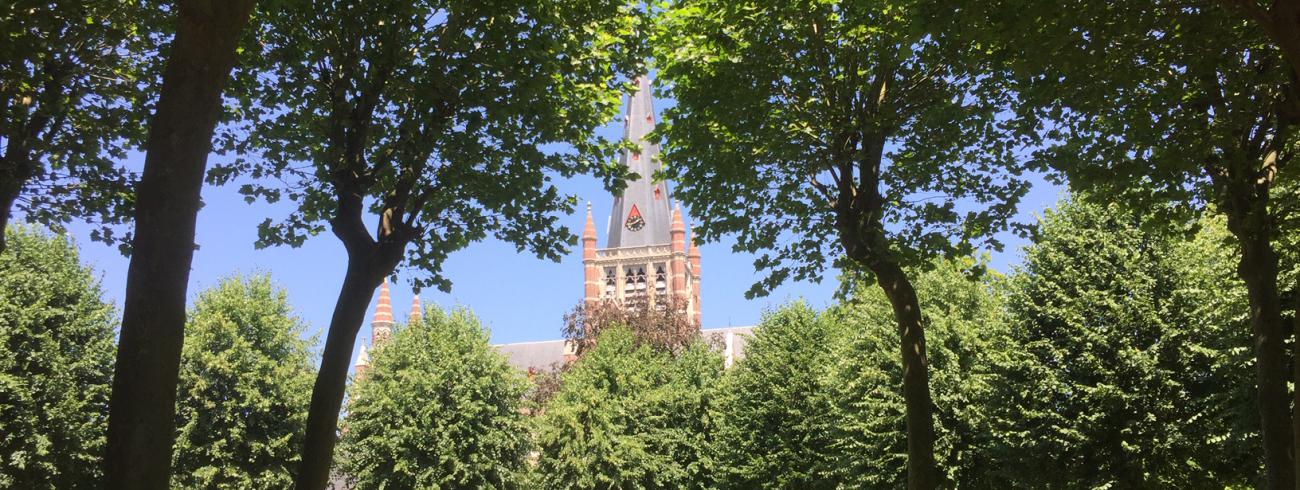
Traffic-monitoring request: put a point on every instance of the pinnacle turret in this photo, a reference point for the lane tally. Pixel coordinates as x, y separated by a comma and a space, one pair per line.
381, 328
417, 313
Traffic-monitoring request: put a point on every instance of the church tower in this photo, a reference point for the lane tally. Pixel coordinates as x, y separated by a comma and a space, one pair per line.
646, 259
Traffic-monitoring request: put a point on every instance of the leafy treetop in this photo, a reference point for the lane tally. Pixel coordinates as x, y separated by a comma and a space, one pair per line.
863, 128
448, 120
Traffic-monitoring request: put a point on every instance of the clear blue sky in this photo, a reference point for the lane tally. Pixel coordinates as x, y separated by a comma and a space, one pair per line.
517, 296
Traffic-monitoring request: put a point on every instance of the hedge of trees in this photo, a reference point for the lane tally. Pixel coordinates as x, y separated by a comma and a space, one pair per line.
1109, 358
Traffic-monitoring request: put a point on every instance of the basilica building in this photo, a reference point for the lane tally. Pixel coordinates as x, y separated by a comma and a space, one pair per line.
646, 259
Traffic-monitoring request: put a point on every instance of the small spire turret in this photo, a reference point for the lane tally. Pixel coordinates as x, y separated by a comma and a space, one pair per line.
381, 328
417, 313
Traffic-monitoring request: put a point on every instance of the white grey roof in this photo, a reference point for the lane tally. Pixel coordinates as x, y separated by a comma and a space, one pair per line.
540, 356
547, 354
653, 207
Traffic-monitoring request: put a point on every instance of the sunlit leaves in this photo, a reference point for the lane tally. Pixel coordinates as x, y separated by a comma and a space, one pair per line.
245, 380
779, 103
451, 117
1133, 365
56, 361
630, 416
439, 408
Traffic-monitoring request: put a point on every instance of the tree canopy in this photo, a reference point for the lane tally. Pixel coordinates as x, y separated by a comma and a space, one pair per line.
871, 135
56, 360
1135, 364
630, 416
245, 380
438, 408
824, 102
773, 427
967, 332
73, 84
1174, 109
446, 121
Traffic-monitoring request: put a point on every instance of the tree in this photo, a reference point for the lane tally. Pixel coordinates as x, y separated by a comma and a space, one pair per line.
665, 326
70, 79
447, 120
438, 408
245, 375
141, 423
1132, 369
1167, 103
867, 132
629, 416
1281, 22
773, 423
56, 355
967, 328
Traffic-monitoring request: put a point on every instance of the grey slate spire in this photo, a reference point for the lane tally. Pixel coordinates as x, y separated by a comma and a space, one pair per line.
642, 215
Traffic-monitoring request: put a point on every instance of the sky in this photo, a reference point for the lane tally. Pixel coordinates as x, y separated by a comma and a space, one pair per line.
517, 296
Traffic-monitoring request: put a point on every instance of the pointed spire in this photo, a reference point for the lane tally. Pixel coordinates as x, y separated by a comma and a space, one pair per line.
649, 224
589, 231
416, 313
384, 310
382, 326
677, 226
363, 360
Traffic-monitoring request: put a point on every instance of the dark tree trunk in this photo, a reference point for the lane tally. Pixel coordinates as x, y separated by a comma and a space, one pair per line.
1295, 370
331, 381
368, 263
141, 424
922, 470
1249, 221
14, 173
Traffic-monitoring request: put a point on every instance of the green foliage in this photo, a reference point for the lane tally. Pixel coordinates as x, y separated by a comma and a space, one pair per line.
438, 408
56, 358
965, 335
773, 423
630, 417
1134, 367
245, 381
449, 119
72, 101
1146, 102
814, 130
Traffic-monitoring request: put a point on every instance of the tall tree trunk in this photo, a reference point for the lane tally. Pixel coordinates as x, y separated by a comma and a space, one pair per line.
922, 470
14, 173
141, 423
359, 284
1295, 370
1250, 222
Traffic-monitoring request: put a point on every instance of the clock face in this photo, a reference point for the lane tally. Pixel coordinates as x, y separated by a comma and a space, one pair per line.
634, 220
